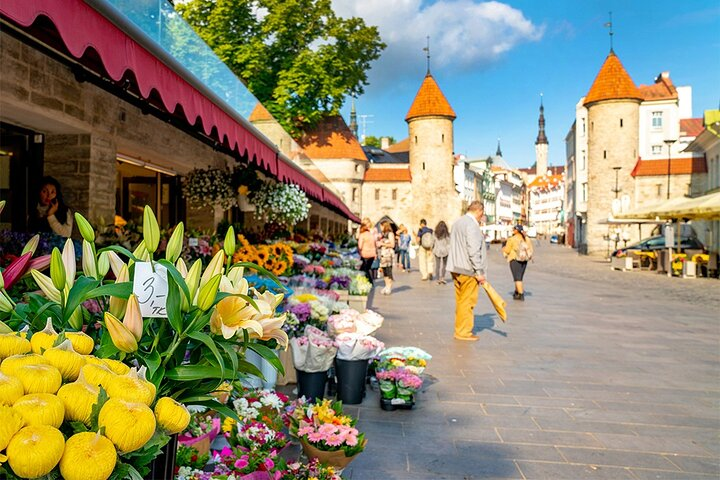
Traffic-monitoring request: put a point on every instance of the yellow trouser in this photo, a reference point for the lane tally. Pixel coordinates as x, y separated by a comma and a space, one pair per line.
466, 295
426, 262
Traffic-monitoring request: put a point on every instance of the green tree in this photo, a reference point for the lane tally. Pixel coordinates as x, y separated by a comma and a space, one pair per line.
296, 56
373, 141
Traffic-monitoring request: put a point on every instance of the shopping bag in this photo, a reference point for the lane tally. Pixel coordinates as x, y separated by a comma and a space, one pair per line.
496, 300
412, 251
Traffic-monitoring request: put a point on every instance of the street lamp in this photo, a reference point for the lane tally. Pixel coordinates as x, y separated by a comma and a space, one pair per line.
669, 143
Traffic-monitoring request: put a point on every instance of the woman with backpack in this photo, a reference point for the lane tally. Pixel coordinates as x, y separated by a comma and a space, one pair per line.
441, 249
518, 251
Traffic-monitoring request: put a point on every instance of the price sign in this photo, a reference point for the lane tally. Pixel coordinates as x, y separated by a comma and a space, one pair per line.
151, 289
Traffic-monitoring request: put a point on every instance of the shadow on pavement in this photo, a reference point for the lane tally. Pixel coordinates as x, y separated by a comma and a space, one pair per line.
486, 322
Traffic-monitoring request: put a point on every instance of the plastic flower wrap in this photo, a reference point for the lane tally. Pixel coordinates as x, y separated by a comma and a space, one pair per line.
342, 322
352, 346
314, 351
368, 322
360, 285
398, 383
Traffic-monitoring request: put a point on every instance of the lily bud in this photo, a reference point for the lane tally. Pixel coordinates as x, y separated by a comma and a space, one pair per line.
151, 231
44, 339
6, 305
88, 456
76, 319
31, 245
116, 263
97, 374
129, 425
181, 267
39, 378
121, 337
207, 294
11, 389
11, 365
175, 244
193, 278
103, 265
81, 342
172, 416
78, 398
141, 252
88, 260
86, 230
35, 450
11, 423
68, 258
117, 304
132, 387
2, 205
41, 409
133, 318
57, 269
46, 285
2, 281
229, 244
66, 359
235, 275
13, 344
214, 268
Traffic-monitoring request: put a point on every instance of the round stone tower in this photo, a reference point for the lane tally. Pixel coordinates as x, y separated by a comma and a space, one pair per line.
430, 128
613, 104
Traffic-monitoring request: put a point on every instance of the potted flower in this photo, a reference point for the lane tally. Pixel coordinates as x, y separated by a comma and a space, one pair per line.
201, 432
398, 387
313, 470
359, 290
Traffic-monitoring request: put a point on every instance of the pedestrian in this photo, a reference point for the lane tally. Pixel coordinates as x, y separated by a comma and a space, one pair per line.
387, 251
440, 250
518, 251
425, 240
366, 247
404, 247
51, 213
467, 262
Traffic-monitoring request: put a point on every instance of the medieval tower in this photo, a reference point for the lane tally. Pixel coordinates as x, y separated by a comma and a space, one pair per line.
430, 129
613, 105
541, 145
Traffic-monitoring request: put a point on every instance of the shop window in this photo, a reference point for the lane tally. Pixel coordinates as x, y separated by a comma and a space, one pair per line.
140, 183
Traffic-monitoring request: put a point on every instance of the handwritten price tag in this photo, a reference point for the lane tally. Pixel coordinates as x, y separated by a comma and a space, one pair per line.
151, 289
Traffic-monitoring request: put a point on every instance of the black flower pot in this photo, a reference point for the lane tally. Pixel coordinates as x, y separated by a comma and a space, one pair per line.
163, 467
311, 384
351, 380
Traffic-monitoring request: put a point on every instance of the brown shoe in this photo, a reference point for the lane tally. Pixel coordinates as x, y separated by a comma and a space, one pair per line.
471, 338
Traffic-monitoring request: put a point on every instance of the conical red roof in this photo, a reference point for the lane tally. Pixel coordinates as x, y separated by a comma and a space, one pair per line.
612, 83
260, 113
430, 101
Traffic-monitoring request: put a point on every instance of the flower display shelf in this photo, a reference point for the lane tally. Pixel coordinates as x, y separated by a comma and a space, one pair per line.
391, 404
343, 295
358, 302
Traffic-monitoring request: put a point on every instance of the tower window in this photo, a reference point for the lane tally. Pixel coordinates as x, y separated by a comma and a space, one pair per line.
415, 139
443, 138
354, 195
377, 194
423, 165
592, 126
621, 123
357, 168
604, 153
394, 194
659, 189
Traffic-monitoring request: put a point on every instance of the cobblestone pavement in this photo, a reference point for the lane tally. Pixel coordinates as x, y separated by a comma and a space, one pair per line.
599, 374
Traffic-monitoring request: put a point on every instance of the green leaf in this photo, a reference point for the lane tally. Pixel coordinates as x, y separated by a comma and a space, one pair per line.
120, 250
214, 405
95, 412
179, 280
194, 372
152, 361
120, 290
121, 472
261, 270
77, 295
173, 305
231, 351
210, 343
60, 338
78, 427
268, 355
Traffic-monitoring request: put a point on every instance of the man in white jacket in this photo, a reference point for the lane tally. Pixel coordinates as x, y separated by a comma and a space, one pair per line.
467, 261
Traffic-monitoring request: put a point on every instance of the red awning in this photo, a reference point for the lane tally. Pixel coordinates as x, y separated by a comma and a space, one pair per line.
82, 28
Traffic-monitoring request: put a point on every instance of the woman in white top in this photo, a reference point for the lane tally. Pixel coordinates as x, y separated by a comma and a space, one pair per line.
51, 213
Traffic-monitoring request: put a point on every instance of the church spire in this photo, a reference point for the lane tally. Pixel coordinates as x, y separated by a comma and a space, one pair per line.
498, 152
353, 119
541, 138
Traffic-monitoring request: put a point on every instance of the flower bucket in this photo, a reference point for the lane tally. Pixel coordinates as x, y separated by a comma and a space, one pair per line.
343, 295
350, 380
265, 367
163, 467
201, 443
358, 302
255, 476
336, 459
311, 384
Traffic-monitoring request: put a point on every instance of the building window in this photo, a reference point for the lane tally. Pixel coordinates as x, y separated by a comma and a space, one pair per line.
583, 127
394, 194
423, 165
582, 161
415, 139
377, 194
656, 149
584, 192
604, 153
659, 190
657, 119
621, 123
442, 139
357, 168
354, 194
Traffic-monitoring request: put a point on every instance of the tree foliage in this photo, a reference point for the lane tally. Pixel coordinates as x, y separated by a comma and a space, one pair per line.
296, 56
373, 141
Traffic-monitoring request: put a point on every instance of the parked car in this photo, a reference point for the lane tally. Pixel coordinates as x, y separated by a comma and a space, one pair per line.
553, 239
658, 243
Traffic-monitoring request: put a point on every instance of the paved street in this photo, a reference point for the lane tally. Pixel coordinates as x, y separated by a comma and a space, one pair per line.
599, 374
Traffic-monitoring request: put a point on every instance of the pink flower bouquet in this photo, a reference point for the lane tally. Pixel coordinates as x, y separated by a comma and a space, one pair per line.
314, 351
352, 346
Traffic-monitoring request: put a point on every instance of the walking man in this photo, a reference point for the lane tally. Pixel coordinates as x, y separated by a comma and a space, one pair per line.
425, 256
467, 262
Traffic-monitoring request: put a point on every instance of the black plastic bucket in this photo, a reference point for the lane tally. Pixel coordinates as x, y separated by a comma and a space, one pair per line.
311, 385
351, 380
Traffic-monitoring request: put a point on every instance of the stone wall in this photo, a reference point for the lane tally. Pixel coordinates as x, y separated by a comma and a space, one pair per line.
431, 167
345, 174
609, 145
400, 209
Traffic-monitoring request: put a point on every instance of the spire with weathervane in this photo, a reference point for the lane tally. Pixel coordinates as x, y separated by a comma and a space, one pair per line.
353, 119
498, 152
541, 143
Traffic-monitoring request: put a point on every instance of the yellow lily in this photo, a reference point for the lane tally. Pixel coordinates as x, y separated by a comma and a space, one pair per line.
116, 264
272, 328
121, 337
46, 285
133, 320
175, 244
151, 231
234, 313
117, 304
31, 245
88, 260
214, 268
181, 267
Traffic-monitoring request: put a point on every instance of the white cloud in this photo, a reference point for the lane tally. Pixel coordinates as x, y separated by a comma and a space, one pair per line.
464, 34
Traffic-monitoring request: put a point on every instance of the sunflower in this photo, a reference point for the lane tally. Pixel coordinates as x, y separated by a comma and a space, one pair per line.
278, 249
280, 267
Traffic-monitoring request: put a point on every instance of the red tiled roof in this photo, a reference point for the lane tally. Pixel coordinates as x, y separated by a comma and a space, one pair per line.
260, 113
430, 101
554, 170
387, 175
401, 146
546, 181
332, 138
612, 83
691, 127
662, 89
678, 166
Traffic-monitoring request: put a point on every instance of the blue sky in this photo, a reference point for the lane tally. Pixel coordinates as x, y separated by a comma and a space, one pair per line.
493, 59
